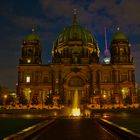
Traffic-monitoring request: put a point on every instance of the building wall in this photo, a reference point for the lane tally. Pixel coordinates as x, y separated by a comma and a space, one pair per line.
96, 83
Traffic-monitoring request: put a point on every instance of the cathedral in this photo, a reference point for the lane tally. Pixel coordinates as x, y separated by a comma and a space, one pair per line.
75, 66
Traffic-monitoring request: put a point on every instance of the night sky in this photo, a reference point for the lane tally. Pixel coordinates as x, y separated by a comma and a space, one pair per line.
51, 16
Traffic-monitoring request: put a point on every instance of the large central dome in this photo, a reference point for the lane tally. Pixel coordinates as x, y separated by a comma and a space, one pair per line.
75, 41
75, 33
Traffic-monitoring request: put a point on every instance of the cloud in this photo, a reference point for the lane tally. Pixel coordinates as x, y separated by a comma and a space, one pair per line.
64, 9
129, 11
123, 14
98, 13
29, 22
56, 8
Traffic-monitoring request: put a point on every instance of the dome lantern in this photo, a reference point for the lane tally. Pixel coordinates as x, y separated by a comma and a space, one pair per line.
32, 37
75, 22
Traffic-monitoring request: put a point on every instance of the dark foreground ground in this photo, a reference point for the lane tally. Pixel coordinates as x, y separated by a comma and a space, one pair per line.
13, 121
75, 129
10, 126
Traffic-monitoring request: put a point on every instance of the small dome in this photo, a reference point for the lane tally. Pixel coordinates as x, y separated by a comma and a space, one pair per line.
32, 37
119, 36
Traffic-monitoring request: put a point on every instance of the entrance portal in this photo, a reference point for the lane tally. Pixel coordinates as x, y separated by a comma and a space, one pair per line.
77, 84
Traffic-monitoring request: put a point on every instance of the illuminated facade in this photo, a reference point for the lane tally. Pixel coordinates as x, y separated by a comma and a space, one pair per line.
75, 67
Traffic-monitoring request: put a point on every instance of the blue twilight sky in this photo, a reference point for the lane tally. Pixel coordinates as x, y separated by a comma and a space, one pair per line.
51, 16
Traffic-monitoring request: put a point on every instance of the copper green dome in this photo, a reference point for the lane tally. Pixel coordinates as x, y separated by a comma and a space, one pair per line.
75, 32
32, 37
119, 36
75, 44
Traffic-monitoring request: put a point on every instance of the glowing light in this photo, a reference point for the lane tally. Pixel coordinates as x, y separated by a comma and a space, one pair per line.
28, 60
118, 28
104, 96
55, 113
125, 92
27, 92
76, 112
27, 116
106, 115
87, 113
107, 60
13, 94
28, 79
5, 96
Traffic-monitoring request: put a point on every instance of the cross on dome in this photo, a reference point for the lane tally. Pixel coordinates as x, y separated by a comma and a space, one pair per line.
118, 28
75, 16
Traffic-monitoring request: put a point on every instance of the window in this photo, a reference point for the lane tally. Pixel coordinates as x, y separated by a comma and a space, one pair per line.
56, 81
29, 52
121, 51
76, 81
106, 78
45, 79
124, 77
28, 60
28, 79
125, 92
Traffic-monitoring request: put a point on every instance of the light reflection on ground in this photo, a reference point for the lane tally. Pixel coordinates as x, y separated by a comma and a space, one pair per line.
124, 119
25, 116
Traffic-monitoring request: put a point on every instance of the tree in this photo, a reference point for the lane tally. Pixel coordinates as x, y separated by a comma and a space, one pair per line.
35, 100
128, 100
23, 100
49, 100
10, 100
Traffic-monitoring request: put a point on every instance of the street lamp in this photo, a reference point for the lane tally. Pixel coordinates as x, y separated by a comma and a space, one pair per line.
5, 97
104, 96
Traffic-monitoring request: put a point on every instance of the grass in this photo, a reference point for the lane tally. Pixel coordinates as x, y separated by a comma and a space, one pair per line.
10, 126
128, 120
127, 117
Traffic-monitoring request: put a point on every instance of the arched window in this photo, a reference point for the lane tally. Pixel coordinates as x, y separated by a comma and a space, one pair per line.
45, 80
76, 81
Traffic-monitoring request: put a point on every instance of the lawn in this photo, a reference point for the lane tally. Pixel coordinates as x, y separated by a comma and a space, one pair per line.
128, 120
10, 126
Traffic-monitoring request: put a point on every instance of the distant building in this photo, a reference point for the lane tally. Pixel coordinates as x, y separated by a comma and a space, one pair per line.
75, 66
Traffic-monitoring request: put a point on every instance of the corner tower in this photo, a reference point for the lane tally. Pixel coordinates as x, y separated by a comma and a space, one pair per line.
31, 49
120, 49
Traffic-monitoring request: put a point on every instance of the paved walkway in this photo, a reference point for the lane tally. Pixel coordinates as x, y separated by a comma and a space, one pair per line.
75, 129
